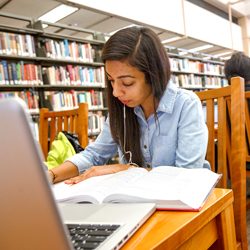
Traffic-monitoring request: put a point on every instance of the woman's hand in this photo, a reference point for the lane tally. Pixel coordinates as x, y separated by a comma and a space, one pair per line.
98, 170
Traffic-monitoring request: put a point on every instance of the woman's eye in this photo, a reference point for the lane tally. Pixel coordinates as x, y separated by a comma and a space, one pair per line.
128, 84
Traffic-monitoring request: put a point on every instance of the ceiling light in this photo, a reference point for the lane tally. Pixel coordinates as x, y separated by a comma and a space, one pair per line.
229, 1
223, 54
203, 47
236, 1
183, 53
226, 58
57, 13
172, 39
224, 1
207, 58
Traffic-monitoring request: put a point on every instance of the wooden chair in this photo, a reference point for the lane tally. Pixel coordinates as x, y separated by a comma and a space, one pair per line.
247, 105
247, 96
52, 122
230, 147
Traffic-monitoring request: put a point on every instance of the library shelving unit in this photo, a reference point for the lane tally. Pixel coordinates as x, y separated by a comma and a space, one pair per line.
58, 70
46, 69
194, 72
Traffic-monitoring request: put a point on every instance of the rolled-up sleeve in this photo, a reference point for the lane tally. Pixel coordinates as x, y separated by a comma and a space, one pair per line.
98, 152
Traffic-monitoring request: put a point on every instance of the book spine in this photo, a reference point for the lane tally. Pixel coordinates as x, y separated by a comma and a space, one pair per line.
10, 73
14, 73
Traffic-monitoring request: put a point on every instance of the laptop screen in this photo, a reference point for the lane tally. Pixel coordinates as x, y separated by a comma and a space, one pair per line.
30, 217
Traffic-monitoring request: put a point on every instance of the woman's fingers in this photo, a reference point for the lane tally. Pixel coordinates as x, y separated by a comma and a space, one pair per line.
96, 171
87, 174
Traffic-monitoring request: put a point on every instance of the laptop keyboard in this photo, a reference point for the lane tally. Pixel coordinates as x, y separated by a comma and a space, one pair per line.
89, 236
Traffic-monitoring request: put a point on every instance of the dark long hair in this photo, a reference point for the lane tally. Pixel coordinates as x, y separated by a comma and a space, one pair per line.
238, 65
143, 50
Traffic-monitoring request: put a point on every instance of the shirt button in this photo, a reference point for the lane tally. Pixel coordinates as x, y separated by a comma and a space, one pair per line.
145, 146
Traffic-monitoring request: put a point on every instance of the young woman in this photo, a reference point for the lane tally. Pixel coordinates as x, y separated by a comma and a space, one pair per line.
151, 122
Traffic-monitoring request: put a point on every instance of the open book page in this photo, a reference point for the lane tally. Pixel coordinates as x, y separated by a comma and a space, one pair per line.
70, 193
95, 189
169, 187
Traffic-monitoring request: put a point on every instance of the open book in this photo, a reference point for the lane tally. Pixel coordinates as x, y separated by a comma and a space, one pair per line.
171, 188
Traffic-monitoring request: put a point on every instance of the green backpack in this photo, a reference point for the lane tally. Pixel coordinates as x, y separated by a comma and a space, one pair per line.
64, 146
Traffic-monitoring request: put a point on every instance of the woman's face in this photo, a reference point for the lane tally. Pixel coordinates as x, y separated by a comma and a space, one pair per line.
129, 84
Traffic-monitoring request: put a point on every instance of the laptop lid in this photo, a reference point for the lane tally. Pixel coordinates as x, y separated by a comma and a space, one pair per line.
30, 218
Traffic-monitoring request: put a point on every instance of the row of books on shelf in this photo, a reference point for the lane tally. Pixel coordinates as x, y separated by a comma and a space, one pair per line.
17, 44
194, 81
68, 50
14, 44
187, 65
16, 73
21, 73
74, 75
58, 100
31, 98
71, 99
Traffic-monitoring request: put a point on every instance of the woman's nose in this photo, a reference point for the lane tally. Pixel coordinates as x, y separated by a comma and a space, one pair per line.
117, 90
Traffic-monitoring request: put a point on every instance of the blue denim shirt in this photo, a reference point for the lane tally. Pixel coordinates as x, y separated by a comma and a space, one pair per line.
178, 139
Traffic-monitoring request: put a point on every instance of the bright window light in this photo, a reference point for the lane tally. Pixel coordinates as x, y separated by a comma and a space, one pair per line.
57, 13
204, 47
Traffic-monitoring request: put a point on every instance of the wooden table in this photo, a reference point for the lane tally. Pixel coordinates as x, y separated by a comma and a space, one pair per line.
190, 230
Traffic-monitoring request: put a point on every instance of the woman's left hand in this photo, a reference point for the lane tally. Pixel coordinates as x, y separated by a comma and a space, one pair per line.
98, 170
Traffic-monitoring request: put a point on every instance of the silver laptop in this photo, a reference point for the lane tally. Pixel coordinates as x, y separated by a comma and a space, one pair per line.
29, 215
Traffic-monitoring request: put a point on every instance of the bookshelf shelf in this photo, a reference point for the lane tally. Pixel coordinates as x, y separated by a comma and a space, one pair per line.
195, 58
4, 88
48, 61
52, 70
28, 64
196, 70
72, 38
197, 73
190, 71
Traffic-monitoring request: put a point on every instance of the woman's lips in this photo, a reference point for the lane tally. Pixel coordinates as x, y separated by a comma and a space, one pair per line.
124, 101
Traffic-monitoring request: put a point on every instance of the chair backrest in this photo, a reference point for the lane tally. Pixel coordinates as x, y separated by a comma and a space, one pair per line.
226, 145
73, 121
247, 109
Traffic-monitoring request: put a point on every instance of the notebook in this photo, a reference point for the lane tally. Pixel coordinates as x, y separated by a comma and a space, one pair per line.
30, 218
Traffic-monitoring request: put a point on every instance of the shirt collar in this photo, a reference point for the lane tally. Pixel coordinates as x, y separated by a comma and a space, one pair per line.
167, 101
